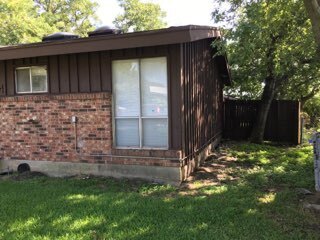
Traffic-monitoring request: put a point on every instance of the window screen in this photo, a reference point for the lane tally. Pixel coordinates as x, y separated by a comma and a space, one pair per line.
31, 79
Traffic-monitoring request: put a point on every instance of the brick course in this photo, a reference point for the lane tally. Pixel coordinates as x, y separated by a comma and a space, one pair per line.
39, 127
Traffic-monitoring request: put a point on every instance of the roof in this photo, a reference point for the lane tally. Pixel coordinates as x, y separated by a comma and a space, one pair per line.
171, 35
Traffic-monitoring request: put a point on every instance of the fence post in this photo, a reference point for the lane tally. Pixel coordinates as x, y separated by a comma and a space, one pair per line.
301, 129
300, 124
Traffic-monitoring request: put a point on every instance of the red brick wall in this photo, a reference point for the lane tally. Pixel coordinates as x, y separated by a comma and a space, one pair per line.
39, 128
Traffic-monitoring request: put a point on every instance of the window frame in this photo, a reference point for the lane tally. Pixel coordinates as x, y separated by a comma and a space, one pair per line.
140, 118
30, 79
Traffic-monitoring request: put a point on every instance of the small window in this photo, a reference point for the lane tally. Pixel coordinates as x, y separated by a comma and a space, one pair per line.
31, 79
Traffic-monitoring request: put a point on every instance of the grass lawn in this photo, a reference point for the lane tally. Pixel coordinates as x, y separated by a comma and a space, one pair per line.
247, 192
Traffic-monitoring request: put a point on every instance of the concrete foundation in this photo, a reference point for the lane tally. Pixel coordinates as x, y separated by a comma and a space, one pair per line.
163, 174
168, 175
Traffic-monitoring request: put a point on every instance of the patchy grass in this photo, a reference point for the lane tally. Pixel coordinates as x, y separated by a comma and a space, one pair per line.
246, 191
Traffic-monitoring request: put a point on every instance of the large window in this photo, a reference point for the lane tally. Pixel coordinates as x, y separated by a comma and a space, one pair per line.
140, 103
31, 79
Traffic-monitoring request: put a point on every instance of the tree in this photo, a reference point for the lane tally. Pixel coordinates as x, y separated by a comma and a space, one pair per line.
139, 16
313, 10
271, 52
20, 22
75, 16
25, 21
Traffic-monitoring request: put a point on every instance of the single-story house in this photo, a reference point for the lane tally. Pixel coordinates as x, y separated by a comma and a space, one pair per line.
145, 104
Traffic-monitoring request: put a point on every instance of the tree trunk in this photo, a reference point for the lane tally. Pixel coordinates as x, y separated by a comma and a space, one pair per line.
266, 100
268, 94
313, 11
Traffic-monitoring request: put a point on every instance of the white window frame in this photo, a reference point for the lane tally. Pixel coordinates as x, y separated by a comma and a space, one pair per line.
30, 79
139, 117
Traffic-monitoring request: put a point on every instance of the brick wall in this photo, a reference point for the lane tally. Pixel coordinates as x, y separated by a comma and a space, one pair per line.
39, 128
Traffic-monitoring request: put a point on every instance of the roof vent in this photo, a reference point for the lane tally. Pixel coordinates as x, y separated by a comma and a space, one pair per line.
59, 36
104, 30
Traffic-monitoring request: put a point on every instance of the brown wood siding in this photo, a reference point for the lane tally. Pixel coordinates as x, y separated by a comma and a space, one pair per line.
91, 72
83, 72
2, 78
10, 73
74, 79
174, 63
64, 77
53, 74
95, 79
202, 97
105, 71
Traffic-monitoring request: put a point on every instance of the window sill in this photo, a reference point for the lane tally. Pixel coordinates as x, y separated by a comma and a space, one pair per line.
30, 93
146, 152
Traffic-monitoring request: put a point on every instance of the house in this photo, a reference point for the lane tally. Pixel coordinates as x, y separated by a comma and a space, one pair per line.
145, 104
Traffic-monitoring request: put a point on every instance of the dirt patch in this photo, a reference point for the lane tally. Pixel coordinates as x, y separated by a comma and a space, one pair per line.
313, 199
217, 169
311, 203
22, 176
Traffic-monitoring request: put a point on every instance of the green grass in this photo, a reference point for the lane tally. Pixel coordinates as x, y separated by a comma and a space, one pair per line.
261, 204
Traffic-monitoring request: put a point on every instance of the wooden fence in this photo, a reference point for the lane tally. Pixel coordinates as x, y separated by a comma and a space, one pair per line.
283, 123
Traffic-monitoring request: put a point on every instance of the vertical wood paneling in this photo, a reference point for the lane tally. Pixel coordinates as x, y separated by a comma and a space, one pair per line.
2, 78
42, 60
186, 98
95, 80
64, 77
201, 90
10, 73
192, 107
27, 61
73, 68
83, 72
130, 53
54, 74
149, 51
183, 109
18, 62
175, 96
106, 77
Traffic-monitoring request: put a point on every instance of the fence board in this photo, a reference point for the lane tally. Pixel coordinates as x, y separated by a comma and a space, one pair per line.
283, 122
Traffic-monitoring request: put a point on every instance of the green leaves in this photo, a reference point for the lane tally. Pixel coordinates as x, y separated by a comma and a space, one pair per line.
75, 16
139, 16
25, 21
256, 27
19, 22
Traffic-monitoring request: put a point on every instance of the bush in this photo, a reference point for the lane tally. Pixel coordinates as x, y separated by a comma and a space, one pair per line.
312, 113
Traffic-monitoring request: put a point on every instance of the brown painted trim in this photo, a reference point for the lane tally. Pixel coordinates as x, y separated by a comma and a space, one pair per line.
166, 36
46, 97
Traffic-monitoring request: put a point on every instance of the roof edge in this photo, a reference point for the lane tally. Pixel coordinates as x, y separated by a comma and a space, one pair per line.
166, 36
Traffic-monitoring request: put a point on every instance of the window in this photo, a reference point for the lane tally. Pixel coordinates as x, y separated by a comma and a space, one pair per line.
31, 79
140, 103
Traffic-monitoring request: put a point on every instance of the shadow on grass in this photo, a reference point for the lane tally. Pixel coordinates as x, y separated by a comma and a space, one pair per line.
262, 204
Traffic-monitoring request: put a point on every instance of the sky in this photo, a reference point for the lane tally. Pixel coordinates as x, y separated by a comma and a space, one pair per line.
179, 12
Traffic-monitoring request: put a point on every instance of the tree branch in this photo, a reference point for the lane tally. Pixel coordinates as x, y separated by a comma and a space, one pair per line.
310, 95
